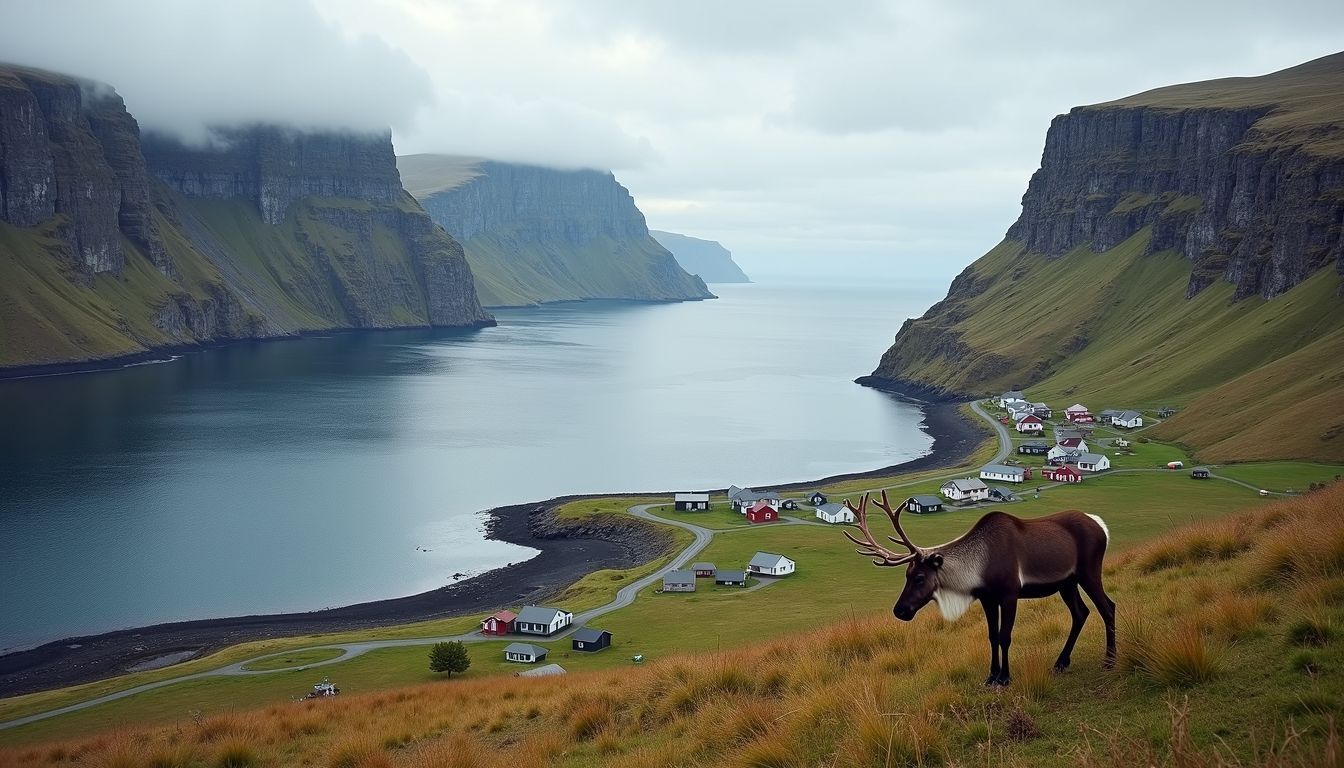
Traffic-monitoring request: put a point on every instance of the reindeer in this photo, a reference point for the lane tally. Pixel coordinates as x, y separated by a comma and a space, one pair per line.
1000, 560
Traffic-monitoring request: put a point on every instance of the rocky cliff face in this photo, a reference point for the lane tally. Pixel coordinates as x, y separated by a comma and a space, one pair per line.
1224, 185
115, 245
537, 234
709, 260
274, 166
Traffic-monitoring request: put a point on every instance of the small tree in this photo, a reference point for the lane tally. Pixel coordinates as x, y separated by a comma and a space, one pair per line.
449, 657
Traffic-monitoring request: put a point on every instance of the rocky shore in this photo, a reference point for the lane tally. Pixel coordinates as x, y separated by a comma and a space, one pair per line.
569, 551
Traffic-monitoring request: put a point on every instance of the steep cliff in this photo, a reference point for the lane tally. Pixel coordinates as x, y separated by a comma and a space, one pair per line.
111, 245
706, 258
1180, 246
537, 234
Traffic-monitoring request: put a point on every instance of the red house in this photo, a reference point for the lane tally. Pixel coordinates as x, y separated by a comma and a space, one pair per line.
499, 624
1064, 474
1078, 414
762, 512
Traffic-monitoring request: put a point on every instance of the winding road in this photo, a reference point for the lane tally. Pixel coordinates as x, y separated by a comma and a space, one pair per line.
624, 597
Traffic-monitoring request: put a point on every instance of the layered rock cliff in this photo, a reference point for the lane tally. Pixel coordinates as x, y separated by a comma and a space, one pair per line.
706, 258
1171, 244
114, 245
536, 234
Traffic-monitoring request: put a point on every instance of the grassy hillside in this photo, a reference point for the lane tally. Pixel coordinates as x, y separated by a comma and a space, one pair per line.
1114, 329
1230, 648
518, 271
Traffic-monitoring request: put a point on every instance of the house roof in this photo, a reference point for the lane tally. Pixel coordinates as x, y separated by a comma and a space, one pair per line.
1012, 393
748, 496
817, 493
1071, 442
589, 635
1089, 458
679, 577
1065, 469
1109, 412
1033, 445
691, 497
1128, 415
702, 566
1030, 418
543, 671
831, 508
733, 491
768, 560
504, 616
539, 614
528, 648
1205, 470
927, 501
761, 504
1076, 408
730, 576
966, 484
1002, 490
1003, 469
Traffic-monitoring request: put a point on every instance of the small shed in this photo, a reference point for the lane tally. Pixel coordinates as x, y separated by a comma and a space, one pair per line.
834, 513
703, 570
1064, 474
590, 640
922, 504
524, 653
679, 581
788, 504
1001, 493
1200, 473
770, 564
500, 623
1031, 423
762, 512
731, 578
545, 670
1128, 420
690, 502
817, 499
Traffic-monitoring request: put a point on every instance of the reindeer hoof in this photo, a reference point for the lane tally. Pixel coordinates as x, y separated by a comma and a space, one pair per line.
1108, 664
997, 681
1061, 668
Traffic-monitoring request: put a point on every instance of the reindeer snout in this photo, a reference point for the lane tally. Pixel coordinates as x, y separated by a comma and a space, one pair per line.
904, 614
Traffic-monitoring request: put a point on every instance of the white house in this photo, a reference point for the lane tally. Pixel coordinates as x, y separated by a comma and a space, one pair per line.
1016, 405
966, 489
1009, 396
742, 499
1121, 442
525, 653
1093, 462
540, 620
834, 513
1003, 472
1064, 449
1030, 423
1128, 419
770, 564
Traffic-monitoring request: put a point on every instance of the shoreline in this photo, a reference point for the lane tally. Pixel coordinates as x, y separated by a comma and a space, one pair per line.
568, 552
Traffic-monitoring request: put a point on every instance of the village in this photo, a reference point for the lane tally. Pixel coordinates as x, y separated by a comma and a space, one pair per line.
1077, 450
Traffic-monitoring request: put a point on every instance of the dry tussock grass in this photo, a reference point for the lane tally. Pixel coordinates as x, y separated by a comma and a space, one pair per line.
867, 691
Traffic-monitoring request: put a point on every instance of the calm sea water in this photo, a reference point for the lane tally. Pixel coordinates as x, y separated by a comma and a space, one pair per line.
296, 475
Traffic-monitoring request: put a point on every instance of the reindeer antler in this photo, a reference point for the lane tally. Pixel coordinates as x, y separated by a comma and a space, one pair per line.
868, 544
895, 516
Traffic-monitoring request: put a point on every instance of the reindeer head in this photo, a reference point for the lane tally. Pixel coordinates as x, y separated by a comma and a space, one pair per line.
923, 570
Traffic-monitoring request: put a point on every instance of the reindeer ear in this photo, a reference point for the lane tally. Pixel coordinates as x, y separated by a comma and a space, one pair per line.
935, 560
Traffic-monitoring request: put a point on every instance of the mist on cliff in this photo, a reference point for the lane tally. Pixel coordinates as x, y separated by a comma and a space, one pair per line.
883, 138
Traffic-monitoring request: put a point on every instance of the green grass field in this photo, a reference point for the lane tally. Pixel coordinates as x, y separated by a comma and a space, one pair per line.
294, 659
831, 583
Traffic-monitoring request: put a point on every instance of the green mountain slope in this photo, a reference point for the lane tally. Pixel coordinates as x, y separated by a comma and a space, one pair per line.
1167, 255
535, 235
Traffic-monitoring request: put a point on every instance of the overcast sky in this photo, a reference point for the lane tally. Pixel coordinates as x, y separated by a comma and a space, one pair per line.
892, 138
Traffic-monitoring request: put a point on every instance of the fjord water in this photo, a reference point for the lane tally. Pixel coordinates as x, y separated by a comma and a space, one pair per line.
301, 474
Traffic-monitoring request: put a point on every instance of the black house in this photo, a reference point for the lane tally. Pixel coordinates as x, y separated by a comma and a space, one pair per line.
590, 640
1033, 449
817, 499
1200, 473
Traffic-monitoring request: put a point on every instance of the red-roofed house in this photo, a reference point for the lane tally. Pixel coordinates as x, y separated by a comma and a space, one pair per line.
1031, 423
1064, 474
762, 512
499, 624
1078, 413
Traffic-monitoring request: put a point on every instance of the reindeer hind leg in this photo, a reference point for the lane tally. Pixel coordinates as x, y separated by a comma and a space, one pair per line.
1091, 583
1078, 611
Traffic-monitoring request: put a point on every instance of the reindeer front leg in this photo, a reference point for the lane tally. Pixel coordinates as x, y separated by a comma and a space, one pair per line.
1009, 610
992, 619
